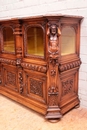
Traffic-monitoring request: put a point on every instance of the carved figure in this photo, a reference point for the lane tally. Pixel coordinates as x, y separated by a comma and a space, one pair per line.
53, 33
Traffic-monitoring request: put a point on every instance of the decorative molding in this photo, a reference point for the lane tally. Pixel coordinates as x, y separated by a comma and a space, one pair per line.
8, 61
67, 86
36, 87
21, 82
70, 65
33, 67
11, 78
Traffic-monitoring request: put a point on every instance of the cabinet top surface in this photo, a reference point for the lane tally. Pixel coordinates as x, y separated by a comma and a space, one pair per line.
47, 16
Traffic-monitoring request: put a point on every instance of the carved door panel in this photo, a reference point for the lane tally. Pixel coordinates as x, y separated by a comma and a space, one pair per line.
10, 78
35, 85
69, 87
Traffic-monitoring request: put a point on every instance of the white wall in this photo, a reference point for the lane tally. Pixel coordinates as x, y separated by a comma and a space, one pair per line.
23, 8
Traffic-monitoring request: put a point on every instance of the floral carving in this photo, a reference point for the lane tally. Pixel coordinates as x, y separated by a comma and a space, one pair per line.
67, 86
36, 87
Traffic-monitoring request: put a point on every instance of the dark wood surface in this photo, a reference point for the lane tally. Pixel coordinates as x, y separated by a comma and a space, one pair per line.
47, 84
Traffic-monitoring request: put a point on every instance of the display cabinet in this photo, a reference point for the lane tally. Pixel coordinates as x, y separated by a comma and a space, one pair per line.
39, 62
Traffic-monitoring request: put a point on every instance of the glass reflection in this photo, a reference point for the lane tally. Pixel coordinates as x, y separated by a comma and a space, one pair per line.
8, 39
35, 41
67, 41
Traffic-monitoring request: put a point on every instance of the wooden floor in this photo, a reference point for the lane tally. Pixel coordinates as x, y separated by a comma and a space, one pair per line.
14, 116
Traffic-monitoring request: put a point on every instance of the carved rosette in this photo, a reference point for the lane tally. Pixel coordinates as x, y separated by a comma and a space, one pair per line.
20, 82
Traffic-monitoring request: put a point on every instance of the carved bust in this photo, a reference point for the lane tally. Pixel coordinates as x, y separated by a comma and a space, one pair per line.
53, 33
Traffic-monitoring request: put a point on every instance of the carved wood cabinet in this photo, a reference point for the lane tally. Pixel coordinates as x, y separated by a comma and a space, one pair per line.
39, 62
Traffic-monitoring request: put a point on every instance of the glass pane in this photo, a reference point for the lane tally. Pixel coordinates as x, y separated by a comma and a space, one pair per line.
67, 41
35, 41
8, 39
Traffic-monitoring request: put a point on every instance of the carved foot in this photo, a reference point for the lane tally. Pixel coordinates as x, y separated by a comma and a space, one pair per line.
53, 114
77, 106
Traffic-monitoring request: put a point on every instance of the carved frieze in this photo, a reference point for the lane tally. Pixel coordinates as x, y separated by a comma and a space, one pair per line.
67, 86
68, 66
33, 67
8, 61
36, 87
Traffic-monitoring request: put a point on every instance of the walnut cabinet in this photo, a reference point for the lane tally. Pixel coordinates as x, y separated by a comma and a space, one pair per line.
39, 62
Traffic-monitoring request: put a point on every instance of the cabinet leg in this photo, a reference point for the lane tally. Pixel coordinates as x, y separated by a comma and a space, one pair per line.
77, 106
53, 114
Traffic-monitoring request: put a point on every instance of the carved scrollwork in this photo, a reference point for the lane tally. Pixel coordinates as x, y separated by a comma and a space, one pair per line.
8, 61
33, 67
36, 87
20, 82
67, 86
68, 66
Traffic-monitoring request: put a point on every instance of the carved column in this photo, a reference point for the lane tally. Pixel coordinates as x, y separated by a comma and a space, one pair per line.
53, 111
19, 44
18, 39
